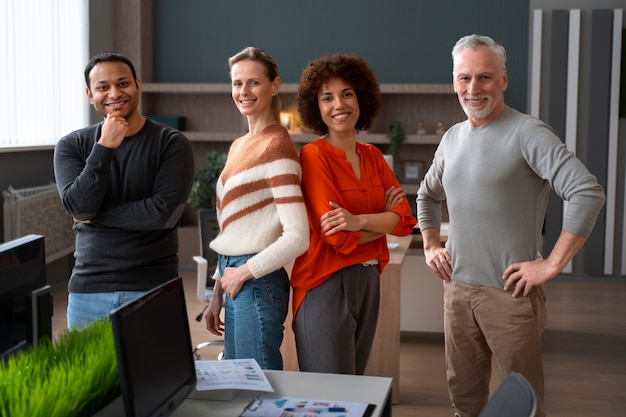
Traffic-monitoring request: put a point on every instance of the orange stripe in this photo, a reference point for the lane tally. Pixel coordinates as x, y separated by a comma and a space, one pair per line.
246, 211
247, 188
289, 200
259, 206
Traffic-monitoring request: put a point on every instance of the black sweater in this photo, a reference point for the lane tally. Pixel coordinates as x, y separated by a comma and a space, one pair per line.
133, 196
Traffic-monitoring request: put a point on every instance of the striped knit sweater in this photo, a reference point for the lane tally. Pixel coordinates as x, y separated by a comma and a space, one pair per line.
260, 208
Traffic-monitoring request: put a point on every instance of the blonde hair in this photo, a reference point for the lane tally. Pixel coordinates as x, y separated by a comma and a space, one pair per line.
271, 70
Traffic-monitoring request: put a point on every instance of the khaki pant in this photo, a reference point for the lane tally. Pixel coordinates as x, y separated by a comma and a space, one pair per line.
485, 324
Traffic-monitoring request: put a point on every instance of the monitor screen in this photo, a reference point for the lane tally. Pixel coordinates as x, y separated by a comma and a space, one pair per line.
23, 289
153, 344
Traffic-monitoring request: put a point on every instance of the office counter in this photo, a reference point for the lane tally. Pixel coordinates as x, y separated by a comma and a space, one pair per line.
385, 357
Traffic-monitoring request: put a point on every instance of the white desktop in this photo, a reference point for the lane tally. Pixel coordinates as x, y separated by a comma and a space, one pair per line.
354, 388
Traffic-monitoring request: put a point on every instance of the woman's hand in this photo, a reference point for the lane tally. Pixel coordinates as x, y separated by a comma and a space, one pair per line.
214, 323
233, 279
339, 219
393, 197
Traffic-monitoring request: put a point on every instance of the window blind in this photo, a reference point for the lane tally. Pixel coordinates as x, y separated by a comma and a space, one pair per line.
44, 46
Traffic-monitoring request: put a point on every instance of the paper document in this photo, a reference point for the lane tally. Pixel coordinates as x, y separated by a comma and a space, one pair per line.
240, 374
271, 406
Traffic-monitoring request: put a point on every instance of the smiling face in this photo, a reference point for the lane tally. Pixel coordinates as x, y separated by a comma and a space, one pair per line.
252, 90
113, 89
339, 106
479, 82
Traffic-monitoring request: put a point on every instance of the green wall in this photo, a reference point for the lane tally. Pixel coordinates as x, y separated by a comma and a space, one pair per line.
405, 41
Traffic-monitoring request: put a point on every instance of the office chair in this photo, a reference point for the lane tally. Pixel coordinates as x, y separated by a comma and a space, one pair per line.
207, 262
513, 398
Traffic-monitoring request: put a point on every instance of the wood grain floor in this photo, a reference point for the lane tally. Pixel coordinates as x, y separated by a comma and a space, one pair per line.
584, 352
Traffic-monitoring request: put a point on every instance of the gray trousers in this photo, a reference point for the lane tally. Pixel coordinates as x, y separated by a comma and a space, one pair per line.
335, 325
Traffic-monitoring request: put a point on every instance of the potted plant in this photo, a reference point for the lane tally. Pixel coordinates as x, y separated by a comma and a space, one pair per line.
396, 138
202, 199
203, 191
75, 376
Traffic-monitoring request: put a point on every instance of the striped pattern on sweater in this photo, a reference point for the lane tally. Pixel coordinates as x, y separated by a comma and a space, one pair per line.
260, 208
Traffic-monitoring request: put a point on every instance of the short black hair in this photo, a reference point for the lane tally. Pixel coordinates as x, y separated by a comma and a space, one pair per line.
108, 57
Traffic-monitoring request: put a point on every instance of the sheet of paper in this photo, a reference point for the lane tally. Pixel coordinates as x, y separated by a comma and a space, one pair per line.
266, 405
241, 374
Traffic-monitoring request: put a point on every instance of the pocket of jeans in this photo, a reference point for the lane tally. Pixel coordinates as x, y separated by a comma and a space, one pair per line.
277, 287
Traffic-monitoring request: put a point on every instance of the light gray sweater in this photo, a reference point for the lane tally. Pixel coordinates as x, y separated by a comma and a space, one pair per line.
496, 180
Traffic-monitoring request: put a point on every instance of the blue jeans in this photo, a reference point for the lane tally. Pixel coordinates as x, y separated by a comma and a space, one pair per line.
85, 308
254, 319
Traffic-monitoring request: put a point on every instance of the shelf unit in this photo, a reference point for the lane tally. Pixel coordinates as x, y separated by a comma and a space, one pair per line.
213, 122
212, 117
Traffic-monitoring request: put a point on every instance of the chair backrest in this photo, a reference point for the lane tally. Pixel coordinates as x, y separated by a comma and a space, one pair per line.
513, 398
208, 230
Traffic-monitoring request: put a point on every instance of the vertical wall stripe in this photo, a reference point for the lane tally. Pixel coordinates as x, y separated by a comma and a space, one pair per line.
535, 73
596, 137
611, 192
594, 48
573, 58
555, 117
571, 111
557, 86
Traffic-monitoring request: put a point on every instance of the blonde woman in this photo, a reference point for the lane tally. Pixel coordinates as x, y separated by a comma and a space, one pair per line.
262, 218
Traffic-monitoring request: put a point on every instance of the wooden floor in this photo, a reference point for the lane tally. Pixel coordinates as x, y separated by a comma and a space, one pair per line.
584, 352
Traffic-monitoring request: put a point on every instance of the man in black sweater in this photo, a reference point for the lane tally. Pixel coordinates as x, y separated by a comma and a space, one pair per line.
125, 181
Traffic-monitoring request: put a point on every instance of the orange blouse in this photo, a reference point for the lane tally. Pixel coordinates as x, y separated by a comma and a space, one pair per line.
328, 176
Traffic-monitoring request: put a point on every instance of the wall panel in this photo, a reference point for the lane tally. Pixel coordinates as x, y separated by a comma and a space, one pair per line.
579, 101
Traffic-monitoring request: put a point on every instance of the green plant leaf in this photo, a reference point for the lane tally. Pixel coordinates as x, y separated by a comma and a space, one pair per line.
203, 191
396, 138
76, 376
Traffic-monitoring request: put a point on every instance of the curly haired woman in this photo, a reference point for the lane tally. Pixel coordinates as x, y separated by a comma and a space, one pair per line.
353, 200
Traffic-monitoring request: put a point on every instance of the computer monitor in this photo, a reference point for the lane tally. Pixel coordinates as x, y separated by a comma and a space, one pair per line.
153, 344
25, 299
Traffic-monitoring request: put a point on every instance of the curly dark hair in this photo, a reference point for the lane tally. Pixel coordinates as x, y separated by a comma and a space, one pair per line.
350, 68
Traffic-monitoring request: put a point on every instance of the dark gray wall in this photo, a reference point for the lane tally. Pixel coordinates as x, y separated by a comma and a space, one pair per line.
404, 41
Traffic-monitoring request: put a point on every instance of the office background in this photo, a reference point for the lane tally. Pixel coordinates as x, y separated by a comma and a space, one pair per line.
405, 42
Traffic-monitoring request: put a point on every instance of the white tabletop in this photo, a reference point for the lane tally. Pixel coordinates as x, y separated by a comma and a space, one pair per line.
354, 388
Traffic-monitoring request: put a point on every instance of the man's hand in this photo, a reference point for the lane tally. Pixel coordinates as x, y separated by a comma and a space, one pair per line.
440, 261
114, 130
523, 276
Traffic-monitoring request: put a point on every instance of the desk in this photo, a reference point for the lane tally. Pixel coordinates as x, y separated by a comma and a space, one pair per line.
371, 390
422, 290
385, 356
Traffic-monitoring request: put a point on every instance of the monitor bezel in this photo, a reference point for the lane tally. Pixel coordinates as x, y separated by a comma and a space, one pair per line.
117, 317
30, 291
